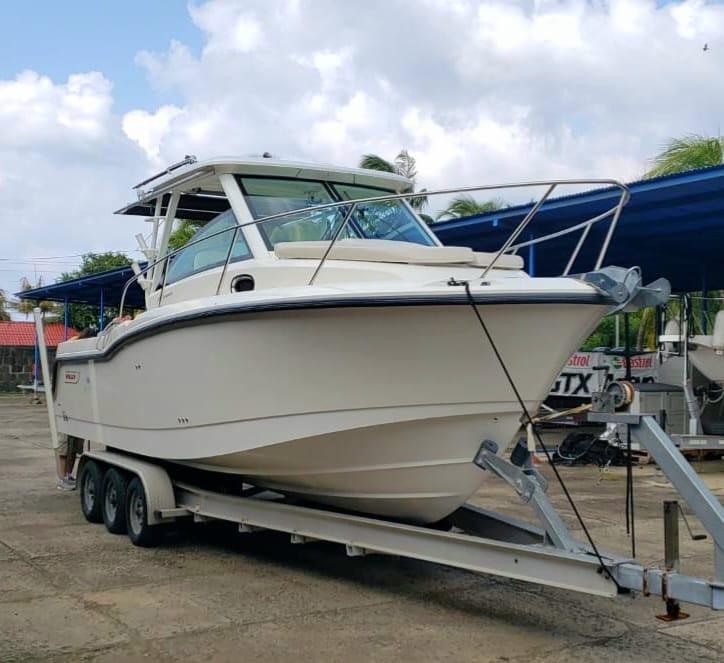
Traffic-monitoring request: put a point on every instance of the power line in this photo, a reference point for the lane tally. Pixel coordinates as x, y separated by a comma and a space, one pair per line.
72, 255
43, 271
55, 263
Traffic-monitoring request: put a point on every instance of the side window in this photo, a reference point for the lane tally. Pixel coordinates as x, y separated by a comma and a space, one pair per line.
209, 253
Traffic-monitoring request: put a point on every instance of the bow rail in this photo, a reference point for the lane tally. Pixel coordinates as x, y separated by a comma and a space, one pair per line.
614, 212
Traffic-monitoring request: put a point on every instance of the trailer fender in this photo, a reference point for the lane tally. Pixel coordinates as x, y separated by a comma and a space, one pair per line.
156, 482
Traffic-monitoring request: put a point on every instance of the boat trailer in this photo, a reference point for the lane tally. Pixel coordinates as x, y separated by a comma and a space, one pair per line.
473, 538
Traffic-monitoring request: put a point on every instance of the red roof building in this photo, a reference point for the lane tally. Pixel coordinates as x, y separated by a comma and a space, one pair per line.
17, 351
16, 334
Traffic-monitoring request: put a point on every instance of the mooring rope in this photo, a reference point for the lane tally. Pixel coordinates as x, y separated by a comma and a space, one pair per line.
532, 423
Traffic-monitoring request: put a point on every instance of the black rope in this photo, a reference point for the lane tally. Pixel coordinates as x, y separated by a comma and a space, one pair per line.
537, 434
630, 520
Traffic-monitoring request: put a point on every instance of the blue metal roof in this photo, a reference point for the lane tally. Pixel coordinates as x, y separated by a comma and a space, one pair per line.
673, 226
101, 287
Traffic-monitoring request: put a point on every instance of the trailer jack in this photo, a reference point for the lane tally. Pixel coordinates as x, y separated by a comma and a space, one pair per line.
619, 404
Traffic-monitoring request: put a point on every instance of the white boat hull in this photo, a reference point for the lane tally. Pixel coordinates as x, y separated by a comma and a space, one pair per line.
707, 360
376, 409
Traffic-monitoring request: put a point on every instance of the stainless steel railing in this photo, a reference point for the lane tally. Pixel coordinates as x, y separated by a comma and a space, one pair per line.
614, 212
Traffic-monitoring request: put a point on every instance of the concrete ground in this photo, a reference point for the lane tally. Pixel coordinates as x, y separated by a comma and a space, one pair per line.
69, 590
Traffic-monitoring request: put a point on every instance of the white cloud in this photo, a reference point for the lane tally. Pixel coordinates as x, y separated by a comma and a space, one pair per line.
631, 15
687, 16
226, 27
477, 90
34, 111
147, 130
64, 166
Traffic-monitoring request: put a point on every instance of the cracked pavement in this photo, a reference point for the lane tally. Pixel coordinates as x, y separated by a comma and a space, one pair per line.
69, 590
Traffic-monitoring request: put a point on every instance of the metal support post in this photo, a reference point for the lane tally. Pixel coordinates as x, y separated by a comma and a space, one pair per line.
45, 364
687, 482
671, 535
672, 562
36, 367
703, 319
102, 313
692, 404
531, 257
617, 336
531, 490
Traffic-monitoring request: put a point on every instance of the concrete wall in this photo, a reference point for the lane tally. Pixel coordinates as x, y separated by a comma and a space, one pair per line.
16, 366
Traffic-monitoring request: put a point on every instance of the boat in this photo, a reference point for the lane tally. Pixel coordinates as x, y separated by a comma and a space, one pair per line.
315, 338
706, 351
700, 338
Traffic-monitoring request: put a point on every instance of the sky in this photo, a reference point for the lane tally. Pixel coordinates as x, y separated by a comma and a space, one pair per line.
95, 96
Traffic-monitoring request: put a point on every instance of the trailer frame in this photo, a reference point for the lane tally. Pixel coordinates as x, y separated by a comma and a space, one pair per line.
474, 539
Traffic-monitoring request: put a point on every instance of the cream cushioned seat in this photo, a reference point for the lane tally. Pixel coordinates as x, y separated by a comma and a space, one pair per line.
384, 250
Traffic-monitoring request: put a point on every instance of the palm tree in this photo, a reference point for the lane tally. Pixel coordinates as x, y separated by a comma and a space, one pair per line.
687, 153
374, 162
466, 205
26, 306
4, 304
404, 164
678, 155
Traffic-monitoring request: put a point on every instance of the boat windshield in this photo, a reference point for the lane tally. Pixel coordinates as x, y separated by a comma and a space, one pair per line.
384, 220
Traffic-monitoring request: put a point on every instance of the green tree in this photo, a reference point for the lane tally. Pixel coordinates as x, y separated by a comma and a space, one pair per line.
678, 155
82, 316
92, 263
4, 305
466, 205
404, 165
687, 153
183, 234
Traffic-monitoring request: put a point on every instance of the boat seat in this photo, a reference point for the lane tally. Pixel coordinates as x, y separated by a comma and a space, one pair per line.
507, 261
300, 230
384, 250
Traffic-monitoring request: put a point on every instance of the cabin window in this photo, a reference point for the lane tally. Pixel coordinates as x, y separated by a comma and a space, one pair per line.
390, 219
267, 196
211, 252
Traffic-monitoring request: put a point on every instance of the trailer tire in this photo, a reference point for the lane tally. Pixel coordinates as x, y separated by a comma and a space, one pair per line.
113, 504
139, 531
91, 488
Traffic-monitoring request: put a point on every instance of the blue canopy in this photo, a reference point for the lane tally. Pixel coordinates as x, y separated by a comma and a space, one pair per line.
673, 226
101, 288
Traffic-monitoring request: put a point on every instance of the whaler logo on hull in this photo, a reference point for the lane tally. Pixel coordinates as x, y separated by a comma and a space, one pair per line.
71, 377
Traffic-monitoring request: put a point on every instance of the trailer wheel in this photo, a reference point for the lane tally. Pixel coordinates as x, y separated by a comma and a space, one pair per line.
91, 488
139, 531
113, 505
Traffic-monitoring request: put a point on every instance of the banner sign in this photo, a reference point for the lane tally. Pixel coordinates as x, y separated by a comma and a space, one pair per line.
579, 379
